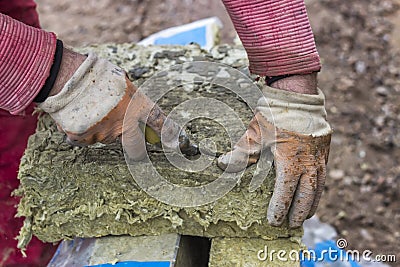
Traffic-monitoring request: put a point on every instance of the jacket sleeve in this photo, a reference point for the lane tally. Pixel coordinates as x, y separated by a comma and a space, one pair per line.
276, 34
26, 56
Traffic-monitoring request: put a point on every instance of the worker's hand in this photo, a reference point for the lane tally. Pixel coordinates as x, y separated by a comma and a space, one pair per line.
91, 106
294, 126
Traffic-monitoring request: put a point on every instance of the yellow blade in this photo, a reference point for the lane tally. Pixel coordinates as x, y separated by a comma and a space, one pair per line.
150, 135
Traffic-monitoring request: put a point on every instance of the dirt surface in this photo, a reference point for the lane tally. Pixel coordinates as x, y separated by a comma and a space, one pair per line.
101, 21
359, 45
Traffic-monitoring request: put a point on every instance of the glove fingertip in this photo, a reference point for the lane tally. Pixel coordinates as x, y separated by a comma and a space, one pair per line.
273, 218
295, 224
296, 219
222, 162
228, 163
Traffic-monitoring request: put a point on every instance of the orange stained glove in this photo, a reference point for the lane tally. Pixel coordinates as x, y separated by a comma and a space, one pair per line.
91, 107
294, 127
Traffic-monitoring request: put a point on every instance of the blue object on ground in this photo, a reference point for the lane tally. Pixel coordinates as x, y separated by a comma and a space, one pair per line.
203, 32
197, 35
328, 254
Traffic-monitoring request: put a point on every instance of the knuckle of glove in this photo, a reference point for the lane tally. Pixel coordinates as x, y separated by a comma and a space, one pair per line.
91, 106
305, 148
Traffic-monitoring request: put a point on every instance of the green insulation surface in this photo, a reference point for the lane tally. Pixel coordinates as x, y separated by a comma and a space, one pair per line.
72, 192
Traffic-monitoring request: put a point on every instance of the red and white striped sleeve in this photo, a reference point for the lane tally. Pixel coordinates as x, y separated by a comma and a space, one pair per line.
276, 34
26, 56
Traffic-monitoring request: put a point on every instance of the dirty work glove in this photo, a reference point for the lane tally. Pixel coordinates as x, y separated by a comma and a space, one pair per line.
294, 127
91, 106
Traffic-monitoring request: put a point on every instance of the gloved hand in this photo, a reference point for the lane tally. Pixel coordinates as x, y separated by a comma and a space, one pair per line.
91, 107
294, 126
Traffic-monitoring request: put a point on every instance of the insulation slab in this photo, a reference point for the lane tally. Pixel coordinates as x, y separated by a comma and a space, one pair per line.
70, 192
254, 252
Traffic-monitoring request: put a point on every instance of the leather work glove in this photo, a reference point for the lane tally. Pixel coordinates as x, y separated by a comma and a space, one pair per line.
294, 127
91, 107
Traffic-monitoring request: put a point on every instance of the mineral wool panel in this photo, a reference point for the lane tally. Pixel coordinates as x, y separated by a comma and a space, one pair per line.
70, 192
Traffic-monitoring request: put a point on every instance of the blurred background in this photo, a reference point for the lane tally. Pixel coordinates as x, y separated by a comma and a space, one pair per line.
359, 43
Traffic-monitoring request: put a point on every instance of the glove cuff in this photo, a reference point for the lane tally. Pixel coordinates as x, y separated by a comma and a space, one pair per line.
71, 89
96, 87
300, 113
55, 68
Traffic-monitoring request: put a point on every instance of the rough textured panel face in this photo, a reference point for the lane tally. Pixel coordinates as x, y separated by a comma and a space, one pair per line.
89, 192
254, 252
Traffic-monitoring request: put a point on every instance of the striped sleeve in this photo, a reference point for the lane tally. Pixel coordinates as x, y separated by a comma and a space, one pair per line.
276, 34
26, 56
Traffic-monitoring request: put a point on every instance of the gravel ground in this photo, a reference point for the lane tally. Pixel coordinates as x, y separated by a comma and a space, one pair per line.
359, 42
